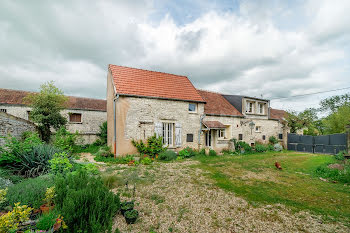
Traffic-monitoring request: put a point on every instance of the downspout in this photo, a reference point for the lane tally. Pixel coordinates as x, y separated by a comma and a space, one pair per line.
115, 124
200, 130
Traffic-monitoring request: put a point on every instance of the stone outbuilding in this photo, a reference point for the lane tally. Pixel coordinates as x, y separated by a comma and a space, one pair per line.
141, 103
84, 115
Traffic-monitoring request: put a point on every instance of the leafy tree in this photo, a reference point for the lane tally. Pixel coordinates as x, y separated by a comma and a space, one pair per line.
103, 132
46, 106
333, 103
307, 120
338, 120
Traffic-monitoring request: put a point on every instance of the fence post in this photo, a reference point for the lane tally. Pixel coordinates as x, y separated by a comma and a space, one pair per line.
348, 135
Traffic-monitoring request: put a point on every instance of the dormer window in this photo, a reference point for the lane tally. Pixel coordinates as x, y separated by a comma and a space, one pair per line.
261, 107
249, 107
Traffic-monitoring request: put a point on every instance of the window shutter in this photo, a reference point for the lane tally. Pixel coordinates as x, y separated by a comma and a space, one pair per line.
177, 134
158, 129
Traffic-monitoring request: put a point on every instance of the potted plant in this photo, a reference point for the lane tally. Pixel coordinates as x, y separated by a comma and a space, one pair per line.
131, 216
49, 196
126, 206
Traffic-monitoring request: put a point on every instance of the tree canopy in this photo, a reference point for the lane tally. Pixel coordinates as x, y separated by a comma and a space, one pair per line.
46, 107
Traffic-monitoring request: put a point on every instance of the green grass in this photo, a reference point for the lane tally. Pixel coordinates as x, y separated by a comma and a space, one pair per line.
255, 178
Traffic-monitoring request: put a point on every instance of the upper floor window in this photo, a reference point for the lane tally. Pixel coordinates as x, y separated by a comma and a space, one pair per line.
257, 128
261, 107
3, 110
221, 133
192, 107
249, 107
75, 117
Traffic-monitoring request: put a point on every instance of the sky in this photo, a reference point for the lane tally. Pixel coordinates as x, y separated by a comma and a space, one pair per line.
262, 48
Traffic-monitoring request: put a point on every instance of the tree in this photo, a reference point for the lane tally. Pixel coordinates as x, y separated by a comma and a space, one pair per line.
331, 104
338, 120
103, 132
306, 120
46, 106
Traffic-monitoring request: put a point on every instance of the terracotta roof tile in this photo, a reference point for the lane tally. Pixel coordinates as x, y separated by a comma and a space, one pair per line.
277, 114
138, 82
214, 124
15, 97
216, 104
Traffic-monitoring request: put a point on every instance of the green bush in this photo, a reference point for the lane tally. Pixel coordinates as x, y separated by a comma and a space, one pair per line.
85, 202
260, 148
15, 147
212, 152
29, 192
60, 163
167, 155
103, 133
34, 162
273, 140
91, 168
243, 145
47, 220
202, 152
340, 156
153, 147
65, 140
334, 174
104, 151
270, 147
146, 161
187, 152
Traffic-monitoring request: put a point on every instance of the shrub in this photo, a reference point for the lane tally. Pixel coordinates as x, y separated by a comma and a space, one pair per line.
167, 155
187, 152
103, 133
243, 145
146, 161
334, 174
212, 152
85, 202
91, 168
273, 140
260, 148
153, 147
15, 147
278, 147
9, 222
126, 205
118, 160
29, 192
270, 147
340, 156
34, 162
202, 152
47, 220
104, 151
60, 163
65, 140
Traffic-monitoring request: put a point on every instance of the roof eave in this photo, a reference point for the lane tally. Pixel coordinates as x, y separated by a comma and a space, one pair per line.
162, 98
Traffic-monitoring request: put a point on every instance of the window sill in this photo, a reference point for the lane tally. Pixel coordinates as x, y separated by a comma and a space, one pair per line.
223, 139
75, 122
192, 112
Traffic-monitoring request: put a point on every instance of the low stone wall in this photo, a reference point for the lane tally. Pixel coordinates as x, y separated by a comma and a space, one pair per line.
15, 126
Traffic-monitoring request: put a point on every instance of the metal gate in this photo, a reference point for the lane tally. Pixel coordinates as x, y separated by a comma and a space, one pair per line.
324, 144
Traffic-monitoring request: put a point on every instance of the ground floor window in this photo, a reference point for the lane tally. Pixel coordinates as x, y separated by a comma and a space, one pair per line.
280, 136
3, 110
168, 134
222, 133
75, 117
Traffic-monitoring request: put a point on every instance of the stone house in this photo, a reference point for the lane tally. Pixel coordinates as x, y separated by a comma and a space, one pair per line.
84, 115
141, 103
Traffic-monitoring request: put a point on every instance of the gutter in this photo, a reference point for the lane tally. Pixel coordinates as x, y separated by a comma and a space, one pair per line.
115, 124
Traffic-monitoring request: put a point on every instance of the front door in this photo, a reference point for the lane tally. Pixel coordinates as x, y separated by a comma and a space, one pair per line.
208, 138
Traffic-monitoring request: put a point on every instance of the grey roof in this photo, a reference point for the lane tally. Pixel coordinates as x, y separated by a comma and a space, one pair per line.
235, 100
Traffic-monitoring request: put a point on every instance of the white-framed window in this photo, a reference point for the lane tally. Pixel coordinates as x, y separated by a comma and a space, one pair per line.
249, 107
192, 107
168, 134
261, 107
221, 133
257, 128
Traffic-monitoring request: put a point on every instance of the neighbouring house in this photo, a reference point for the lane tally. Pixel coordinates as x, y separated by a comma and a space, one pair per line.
141, 103
84, 115
13, 125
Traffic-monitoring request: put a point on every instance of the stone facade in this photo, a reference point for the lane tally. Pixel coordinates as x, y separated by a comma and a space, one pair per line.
14, 126
88, 128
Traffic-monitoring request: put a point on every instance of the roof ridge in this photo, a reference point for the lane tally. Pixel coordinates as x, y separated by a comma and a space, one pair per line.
148, 70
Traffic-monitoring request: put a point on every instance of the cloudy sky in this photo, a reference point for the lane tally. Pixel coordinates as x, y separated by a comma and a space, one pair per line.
265, 48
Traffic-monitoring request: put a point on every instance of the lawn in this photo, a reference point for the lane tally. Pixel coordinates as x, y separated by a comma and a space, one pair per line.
231, 194
256, 179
